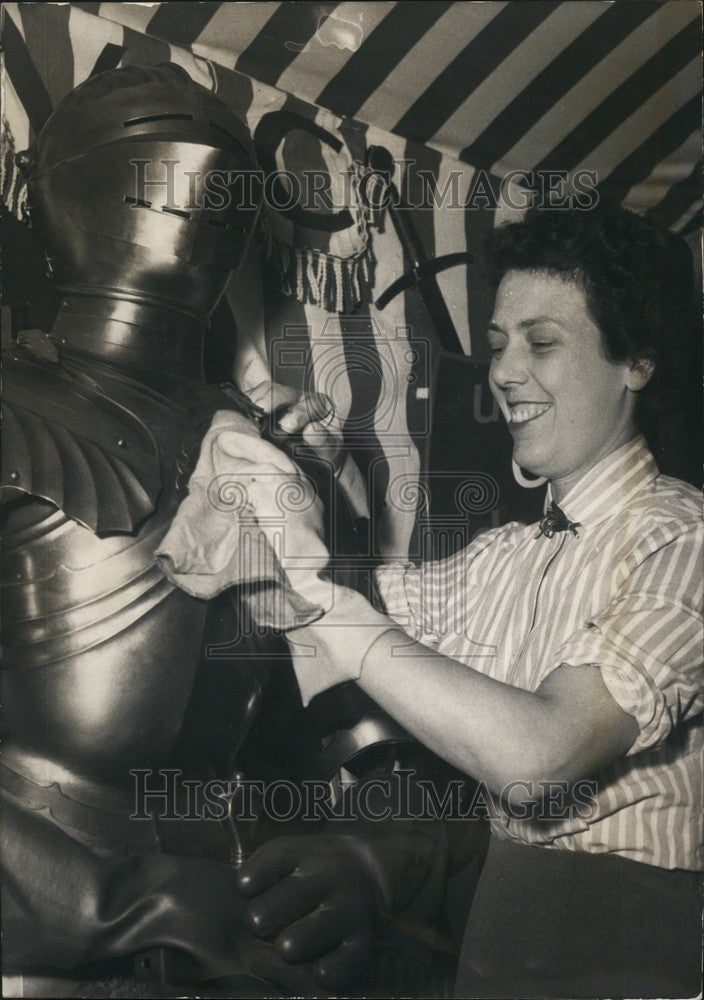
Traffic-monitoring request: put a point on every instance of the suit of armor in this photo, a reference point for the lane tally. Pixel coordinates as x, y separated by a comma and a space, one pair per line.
102, 426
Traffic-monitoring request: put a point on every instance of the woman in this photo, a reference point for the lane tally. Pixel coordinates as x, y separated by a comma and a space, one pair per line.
547, 654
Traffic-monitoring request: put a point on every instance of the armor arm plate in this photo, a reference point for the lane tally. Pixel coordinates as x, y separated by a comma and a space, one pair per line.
65, 442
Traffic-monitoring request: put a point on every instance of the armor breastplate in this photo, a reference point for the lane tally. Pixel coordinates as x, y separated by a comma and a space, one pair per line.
100, 649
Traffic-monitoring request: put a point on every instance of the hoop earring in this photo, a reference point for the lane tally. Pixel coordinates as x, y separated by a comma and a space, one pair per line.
527, 484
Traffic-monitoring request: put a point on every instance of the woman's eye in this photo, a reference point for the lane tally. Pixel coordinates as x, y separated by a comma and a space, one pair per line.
496, 352
542, 345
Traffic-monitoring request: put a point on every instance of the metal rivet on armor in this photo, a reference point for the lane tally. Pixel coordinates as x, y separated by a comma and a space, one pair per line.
63, 340
121, 443
14, 476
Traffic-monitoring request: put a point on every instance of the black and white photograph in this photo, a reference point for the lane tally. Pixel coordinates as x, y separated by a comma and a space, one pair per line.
352, 540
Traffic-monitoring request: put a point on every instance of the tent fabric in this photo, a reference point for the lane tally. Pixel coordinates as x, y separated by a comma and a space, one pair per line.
503, 86
461, 95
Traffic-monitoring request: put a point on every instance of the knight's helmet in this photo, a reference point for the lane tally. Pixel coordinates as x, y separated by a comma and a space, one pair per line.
142, 185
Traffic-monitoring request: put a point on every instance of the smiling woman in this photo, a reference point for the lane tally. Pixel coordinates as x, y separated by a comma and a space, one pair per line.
528, 659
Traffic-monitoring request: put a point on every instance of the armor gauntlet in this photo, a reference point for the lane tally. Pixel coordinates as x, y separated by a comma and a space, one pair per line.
111, 906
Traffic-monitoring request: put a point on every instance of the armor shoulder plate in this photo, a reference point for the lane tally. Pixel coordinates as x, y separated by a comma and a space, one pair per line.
66, 442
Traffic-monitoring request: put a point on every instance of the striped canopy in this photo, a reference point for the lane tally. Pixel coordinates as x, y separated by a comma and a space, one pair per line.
536, 84
474, 91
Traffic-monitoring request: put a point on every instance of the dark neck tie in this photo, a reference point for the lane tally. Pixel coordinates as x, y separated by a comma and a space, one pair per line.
556, 520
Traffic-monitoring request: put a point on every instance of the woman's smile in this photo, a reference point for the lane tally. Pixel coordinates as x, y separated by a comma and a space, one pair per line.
520, 413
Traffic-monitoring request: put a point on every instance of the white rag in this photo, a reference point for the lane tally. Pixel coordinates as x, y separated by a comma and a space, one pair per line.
213, 542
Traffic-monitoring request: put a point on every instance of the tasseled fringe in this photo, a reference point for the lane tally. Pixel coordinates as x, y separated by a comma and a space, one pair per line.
13, 187
336, 284
375, 188
313, 277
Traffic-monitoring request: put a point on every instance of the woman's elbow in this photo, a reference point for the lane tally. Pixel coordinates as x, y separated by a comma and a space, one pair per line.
527, 774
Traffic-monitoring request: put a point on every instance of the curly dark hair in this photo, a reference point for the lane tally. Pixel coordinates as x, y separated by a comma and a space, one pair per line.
629, 270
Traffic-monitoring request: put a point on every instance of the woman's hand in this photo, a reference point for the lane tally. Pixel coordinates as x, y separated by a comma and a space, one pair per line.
313, 414
283, 502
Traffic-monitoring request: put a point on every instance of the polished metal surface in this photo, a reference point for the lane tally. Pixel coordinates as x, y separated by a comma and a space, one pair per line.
138, 185
67, 440
132, 335
104, 667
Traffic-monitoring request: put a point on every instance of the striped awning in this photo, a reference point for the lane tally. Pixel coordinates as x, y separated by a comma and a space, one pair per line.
529, 85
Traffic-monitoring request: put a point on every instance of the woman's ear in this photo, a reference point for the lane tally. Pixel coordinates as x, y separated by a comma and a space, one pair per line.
639, 374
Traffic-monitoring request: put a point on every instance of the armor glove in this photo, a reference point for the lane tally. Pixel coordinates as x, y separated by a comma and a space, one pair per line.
317, 898
65, 906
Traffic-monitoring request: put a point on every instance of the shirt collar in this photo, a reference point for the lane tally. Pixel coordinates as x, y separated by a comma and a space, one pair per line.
610, 484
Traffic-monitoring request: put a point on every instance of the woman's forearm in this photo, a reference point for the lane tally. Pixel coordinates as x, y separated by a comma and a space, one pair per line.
483, 727
494, 731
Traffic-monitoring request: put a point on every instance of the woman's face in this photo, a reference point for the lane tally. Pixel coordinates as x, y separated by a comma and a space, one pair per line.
567, 406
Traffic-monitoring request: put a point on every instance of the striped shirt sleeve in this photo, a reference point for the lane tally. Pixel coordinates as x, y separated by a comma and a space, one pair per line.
432, 601
398, 594
648, 641
416, 598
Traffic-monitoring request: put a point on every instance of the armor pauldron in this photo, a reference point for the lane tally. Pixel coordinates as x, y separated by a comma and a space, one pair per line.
68, 443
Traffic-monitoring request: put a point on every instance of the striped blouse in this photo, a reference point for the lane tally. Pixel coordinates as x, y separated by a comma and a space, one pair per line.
624, 594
